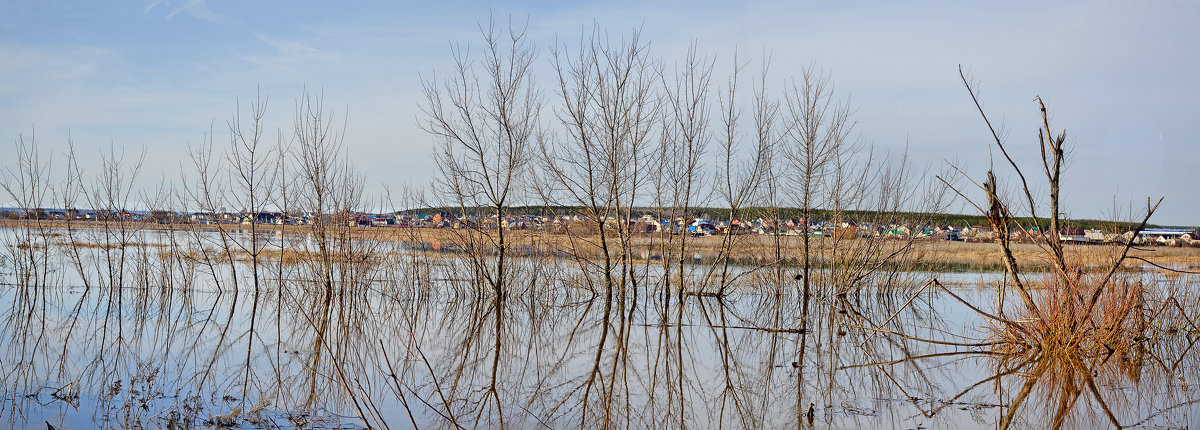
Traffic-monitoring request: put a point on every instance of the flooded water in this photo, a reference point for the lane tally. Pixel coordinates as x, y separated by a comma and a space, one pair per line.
156, 334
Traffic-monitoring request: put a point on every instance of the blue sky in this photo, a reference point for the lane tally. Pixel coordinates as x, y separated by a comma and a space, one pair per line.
1120, 77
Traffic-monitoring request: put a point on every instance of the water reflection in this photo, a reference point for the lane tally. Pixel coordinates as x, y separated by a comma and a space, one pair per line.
399, 340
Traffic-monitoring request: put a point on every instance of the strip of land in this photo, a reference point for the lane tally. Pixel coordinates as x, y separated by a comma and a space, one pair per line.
745, 249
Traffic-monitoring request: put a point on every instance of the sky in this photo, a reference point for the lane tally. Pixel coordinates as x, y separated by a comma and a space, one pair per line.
1122, 78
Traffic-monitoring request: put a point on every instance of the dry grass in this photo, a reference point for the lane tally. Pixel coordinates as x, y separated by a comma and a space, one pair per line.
1031, 256
1072, 348
1070, 324
1084, 309
289, 257
930, 253
971, 255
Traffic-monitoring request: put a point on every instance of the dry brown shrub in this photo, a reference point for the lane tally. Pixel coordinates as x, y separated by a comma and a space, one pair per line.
1114, 323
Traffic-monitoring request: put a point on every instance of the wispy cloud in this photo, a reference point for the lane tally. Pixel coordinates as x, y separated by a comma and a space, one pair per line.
285, 46
57, 67
194, 8
153, 4
292, 59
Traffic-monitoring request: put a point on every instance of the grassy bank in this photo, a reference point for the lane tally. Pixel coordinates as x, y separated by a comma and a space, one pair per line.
748, 249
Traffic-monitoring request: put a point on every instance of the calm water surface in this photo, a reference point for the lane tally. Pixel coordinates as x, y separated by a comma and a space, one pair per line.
149, 338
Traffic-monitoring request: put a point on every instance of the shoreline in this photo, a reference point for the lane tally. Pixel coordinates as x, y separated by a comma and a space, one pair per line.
747, 249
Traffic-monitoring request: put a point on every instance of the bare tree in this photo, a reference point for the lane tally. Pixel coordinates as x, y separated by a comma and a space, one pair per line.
684, 139
111, 193
71, 195
1082, 314
485, 117
254, 172
29, 187
742, 161
818, 128
323, 177
325, 192
598, 161
607, 115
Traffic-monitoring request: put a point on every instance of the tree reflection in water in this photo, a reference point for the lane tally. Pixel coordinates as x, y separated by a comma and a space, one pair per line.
406, 343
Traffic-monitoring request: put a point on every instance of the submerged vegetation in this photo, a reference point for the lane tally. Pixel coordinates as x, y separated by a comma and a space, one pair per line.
324, 324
